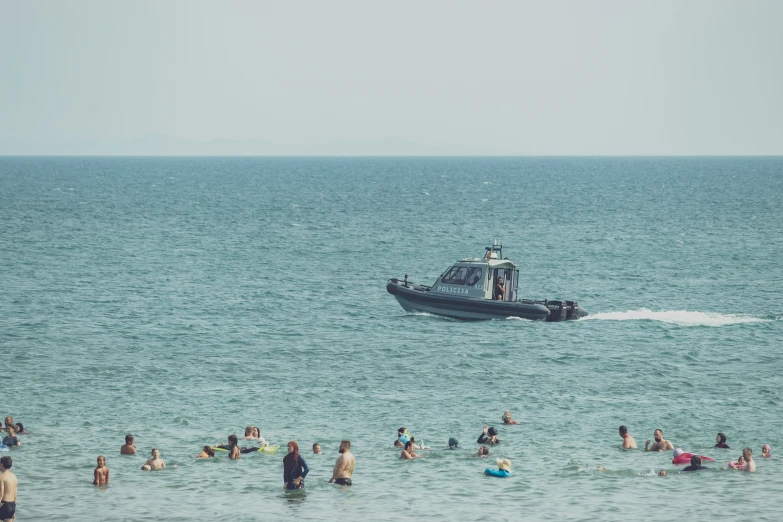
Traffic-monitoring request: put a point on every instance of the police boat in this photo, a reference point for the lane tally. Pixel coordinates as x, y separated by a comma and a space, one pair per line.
480, 288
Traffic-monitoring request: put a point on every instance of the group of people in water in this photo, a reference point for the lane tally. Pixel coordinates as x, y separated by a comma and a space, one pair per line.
8, 481
745, 461
295, 468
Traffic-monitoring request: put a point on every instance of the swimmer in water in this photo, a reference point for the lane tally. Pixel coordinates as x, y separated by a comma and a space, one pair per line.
720, 441
343, 466
402, 438
662, 473
660, 444
11, 439
628, 441
740, 463
489, 436
507, 418
8, 486
503, 471
233, 447
483, 451
766, 451
155, 463
750, 465
101, 473
453, 443
408, 453
129, 448
249, 433
206, 453
294, 468
317, 449
695, 464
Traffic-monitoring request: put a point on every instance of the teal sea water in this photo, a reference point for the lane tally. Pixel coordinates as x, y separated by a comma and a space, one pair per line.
181, 299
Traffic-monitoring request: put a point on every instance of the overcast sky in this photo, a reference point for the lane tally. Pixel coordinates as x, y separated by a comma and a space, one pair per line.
394, 77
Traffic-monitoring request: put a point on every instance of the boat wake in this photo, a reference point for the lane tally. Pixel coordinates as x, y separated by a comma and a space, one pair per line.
678, 317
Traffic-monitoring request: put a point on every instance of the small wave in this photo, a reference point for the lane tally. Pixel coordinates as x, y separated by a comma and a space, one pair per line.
678, 317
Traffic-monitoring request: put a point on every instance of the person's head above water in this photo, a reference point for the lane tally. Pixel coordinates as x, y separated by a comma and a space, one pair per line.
209, 451
453, 443
483, 451
248, 431
11, 430
316, 448
748, 454
409, 447
720, 438
233, 440
623, 431
662, 473
129, 439
766, 450
658, 435
345, 445
155, 453
696, 461
492, 432
504, 464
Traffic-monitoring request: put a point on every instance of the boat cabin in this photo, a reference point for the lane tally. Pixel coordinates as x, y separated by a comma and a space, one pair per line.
476, 277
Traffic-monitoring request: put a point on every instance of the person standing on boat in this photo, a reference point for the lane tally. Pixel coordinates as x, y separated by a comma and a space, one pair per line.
497, 295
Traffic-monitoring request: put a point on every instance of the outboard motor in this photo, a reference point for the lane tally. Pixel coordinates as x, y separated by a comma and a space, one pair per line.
573, 311
557, 311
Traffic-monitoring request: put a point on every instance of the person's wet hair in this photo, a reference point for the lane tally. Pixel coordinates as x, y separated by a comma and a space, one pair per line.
695, 460
408, 445
722, 437
209, 451
484, 450
623, 430
316, 445
232, 440
346, 443
128, 438
248, 430
6, 461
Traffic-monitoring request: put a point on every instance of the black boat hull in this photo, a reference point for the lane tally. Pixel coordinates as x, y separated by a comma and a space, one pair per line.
417, 298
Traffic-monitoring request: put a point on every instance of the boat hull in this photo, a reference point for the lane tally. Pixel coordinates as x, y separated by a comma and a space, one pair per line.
414, 298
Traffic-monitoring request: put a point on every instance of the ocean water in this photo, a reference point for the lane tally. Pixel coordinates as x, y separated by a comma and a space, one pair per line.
181, 299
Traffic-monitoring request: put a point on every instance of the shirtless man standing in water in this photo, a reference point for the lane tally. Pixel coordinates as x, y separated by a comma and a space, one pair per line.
8, 484
343, 466
155, 463
660, 444
628, 442
101, 473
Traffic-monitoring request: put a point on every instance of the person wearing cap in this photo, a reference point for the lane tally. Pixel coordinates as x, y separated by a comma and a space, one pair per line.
488, 436
503, 471
766, 451
695, 464
497, 294
453, 443
720, 441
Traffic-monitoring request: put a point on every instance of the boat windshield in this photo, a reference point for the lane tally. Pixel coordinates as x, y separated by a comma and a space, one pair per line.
455, 275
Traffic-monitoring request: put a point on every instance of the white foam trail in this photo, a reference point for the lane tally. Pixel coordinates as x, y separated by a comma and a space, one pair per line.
679, 317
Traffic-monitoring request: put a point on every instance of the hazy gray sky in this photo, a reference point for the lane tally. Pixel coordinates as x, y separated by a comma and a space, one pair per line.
395, 77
